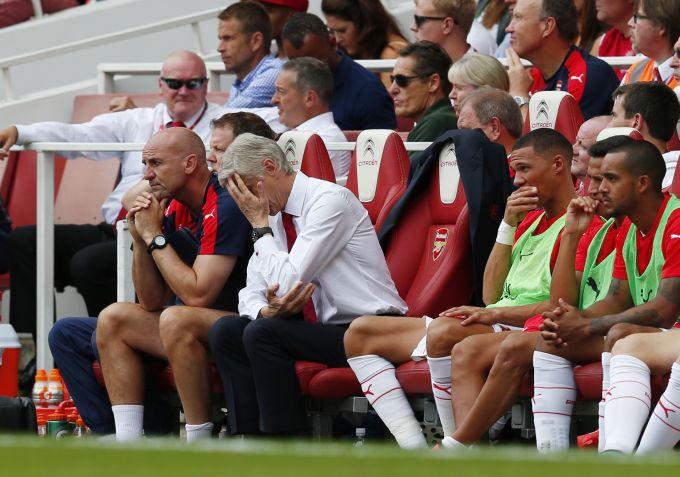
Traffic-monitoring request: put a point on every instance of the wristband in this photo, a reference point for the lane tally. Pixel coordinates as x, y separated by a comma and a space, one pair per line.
506, 233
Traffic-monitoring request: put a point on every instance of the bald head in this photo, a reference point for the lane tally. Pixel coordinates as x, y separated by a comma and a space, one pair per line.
585, 138
173, 159
178, 142
184, 59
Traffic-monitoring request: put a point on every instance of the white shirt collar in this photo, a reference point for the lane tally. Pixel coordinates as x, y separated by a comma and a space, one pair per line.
318, 121
296, 199
665, 69
188, 122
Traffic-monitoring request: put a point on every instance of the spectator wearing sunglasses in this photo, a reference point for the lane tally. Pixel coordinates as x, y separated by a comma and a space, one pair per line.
446, 23
420, 89
360, 101
655, 27
245, 34
86, 254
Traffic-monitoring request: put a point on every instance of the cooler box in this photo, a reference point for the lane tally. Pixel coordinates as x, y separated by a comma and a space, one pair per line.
9, 361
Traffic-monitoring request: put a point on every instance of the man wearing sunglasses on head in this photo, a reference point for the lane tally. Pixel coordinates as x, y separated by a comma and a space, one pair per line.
85, 255
447, 23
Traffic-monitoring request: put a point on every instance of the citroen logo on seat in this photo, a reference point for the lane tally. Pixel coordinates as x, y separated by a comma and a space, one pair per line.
369, 150
542, 110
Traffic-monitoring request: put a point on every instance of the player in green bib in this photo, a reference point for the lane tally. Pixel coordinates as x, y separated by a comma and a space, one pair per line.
375, 344
586, 240
644, 296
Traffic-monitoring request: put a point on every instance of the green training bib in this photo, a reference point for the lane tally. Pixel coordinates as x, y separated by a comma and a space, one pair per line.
596, 277
643, 287
529, 277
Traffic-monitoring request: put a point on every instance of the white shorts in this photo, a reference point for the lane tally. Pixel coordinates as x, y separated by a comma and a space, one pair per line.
419, 353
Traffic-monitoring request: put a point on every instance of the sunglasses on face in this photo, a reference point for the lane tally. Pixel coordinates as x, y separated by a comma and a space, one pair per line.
403, 81
193, 83
419, 20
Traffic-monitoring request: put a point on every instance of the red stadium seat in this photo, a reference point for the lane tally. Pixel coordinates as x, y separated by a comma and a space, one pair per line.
307, 152
378, 174
428, 256
556, 110
429, 277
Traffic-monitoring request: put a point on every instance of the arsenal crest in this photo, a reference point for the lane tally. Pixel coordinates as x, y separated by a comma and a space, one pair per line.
441, 237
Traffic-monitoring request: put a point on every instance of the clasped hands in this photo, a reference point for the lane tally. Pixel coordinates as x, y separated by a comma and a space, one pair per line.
145, 218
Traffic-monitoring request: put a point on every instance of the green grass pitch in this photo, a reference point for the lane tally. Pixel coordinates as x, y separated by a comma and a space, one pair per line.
29, 456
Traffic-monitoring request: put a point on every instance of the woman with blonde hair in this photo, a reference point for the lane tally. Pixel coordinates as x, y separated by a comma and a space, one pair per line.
473, 71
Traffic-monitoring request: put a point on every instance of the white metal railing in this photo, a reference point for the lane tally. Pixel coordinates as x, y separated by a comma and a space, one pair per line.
45, 229
106, 72
193, 20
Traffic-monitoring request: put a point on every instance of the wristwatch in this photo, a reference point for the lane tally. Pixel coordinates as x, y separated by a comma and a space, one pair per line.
158, 242
260, 232
521, 100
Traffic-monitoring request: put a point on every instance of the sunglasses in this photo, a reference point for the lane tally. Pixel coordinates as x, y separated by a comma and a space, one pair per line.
193, 83
419, 20
403, 81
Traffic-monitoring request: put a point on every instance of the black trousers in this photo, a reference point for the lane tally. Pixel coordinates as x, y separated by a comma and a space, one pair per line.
84, 257
256, 362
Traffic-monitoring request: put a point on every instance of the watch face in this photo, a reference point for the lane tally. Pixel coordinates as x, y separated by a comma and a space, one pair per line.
160, 240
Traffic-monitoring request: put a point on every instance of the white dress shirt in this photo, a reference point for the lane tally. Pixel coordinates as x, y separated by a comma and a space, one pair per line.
324, 125
336, 249
133, 125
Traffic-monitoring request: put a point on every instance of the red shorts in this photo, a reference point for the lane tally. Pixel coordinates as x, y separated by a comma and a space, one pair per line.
532, 324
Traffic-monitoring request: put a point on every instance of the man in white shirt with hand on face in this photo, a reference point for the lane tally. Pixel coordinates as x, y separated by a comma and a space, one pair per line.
312, 239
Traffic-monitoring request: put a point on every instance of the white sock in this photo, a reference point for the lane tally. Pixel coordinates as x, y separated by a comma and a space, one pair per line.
628, 403
383, 391
553, 401
198, 431
449, 442
129, 420
440, 373
663, 430
606, 360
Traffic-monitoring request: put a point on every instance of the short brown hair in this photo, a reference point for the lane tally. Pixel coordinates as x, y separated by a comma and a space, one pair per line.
252, 18
462, 11
242, 122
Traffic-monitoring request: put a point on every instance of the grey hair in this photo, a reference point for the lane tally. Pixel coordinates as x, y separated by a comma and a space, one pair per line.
490, 102
312, 74
245, 156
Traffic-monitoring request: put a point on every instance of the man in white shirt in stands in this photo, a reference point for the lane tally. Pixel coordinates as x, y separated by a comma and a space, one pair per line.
85, 255
312, 239
303, 94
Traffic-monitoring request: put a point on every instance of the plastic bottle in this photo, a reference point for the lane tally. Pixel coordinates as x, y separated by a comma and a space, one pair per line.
57, 425
39, 388
42, 427
80, 430
360, 436
55, 389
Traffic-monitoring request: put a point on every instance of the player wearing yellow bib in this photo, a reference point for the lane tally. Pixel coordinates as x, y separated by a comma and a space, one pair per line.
374, 344
587, 240
644, 296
